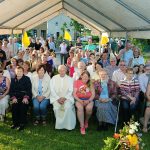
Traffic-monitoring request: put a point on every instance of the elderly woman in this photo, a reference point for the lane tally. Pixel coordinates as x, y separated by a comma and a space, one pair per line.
112, 67
81, 69
11, 68
106, 111
138, 58
20, 94
84, 95
4, 89
33, 62
98, 68
41, 94
129, 89
26, 67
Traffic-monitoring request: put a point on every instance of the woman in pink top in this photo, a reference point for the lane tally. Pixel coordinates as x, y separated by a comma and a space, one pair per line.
84, 95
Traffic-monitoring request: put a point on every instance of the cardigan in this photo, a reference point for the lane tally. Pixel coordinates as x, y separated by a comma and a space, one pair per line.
45, 86
20, 88
112, 89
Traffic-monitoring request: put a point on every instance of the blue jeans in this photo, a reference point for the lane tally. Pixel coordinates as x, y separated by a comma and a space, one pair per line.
40, 108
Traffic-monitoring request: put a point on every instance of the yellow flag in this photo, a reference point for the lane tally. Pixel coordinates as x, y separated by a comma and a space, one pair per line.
67, 36
104, 40
25, 40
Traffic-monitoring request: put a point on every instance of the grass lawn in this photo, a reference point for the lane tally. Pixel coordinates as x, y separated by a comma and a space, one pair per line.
46, 138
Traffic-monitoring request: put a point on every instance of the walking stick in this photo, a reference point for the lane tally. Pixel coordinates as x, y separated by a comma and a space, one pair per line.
116, 124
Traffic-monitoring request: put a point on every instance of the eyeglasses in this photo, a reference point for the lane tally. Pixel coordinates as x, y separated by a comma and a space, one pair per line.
130, 73
122, 65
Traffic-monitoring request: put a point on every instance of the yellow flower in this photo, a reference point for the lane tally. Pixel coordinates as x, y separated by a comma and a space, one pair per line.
133, 139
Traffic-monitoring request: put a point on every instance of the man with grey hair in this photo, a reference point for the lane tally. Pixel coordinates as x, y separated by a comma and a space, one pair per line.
61, 97
112, 67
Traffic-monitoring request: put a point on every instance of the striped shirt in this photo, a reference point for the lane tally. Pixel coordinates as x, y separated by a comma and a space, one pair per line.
131, 88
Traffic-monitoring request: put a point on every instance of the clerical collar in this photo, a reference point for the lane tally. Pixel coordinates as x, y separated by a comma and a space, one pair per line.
63, 76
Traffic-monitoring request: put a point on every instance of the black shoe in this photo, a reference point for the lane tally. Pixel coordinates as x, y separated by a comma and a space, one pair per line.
14, 127
105, 127
99, 128
20, 128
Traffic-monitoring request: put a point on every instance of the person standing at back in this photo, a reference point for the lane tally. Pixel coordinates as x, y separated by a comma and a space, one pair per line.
2, 57
63, 52
126, 54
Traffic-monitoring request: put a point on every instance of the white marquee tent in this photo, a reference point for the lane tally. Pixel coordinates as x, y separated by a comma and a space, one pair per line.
116, 17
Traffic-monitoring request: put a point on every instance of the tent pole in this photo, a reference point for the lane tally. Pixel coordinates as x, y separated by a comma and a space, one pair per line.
126, 38
12, 33
109, 39
100, 35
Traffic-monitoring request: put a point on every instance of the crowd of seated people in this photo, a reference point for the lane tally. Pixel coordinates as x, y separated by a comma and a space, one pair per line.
86, 80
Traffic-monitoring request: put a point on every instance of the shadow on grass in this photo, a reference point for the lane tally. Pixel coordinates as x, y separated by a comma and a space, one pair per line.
46, 138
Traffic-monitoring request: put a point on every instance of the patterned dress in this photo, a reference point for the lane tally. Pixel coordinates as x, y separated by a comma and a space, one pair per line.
4, 100
106, 112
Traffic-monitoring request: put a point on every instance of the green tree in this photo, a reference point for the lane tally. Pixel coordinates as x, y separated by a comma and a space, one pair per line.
78, 28
64, 27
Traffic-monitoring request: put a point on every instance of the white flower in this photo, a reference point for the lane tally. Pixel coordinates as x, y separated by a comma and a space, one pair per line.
131, 131
136, 123
132, 126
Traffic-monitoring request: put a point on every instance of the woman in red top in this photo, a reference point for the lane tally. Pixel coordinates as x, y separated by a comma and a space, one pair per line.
74, 66
84, 95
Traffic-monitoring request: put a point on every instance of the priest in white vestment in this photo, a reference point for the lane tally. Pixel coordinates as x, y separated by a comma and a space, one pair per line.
61, 97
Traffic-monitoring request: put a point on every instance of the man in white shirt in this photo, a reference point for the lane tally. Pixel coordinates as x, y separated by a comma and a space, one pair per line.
61, 97
63, 52
144, 78
119, 74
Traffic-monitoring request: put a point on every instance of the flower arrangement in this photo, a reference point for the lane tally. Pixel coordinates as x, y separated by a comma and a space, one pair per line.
127, 139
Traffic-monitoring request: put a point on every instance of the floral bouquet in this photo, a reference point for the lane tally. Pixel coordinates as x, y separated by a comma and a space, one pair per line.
127, 139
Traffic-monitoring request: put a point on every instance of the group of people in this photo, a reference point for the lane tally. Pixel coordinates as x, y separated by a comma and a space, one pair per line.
87, 80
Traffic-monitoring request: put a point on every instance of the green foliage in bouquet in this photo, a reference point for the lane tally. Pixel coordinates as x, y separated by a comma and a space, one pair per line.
111, 143
127, 139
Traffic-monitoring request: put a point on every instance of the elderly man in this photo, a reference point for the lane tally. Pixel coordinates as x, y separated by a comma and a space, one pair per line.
119, 74
126, 54
62, 99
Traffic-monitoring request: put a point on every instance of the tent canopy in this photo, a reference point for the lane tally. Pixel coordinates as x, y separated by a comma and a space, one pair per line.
116, 17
